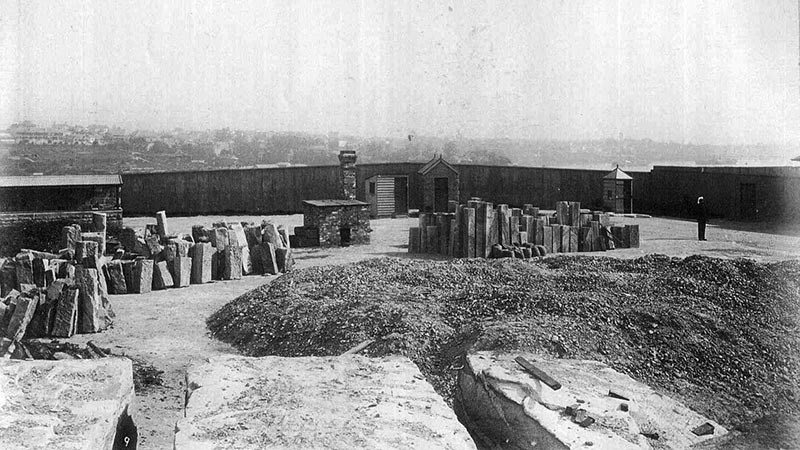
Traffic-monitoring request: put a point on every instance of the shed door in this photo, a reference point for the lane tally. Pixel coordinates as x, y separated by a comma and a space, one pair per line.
747, 203
440, 194
401, 196
384, 193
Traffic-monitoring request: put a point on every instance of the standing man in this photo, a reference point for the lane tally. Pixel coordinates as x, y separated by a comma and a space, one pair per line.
702, 216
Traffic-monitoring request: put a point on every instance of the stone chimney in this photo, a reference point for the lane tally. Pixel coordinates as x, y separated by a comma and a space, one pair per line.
347, 163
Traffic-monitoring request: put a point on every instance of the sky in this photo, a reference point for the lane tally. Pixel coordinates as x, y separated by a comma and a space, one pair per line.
692, 71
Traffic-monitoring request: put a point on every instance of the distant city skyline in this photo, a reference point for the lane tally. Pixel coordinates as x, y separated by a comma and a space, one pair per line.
679, 71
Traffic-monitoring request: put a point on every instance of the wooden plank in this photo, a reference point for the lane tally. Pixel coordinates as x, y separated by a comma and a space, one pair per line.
538, 373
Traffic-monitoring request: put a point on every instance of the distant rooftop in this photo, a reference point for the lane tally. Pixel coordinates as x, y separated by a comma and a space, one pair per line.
59, 180
334, 203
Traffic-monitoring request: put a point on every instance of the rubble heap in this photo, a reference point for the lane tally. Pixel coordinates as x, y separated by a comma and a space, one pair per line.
479, 229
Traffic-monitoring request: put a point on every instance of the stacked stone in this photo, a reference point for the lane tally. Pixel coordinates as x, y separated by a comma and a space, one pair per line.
483, 230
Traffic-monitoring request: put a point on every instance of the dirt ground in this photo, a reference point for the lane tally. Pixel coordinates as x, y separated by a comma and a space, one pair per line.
167, 328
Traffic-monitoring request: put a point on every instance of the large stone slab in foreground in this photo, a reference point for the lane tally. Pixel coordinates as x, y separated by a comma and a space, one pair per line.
65, 405
350, 402
504, 403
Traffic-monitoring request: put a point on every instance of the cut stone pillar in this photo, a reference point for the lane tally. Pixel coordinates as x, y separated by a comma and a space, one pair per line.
116, 278
66, 316
202, 255
565, 231
232, 269
162, 279
469, 231
182, 268
503, 224
142, 281
93, 316
161, 224
547, 239
284, 259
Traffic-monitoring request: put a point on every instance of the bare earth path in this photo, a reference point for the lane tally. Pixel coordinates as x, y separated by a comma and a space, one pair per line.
167, 328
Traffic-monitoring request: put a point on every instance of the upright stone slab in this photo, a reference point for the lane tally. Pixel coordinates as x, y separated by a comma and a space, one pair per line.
538, 225
574, 233
632, 232
523, 237
469, 231
585, 217
270, 234
162, 278
482, 247
513, 225
142, 276
557, 238
66, 315
97, 249
574, 214
596, 240
585, 239
116, 278
200, 234
349, 402
431, 239
69, 236
23, 313
8, 276
99, 222
93, 316
565, 232
202, 256
39, 266
443, 224
619, 236
413, 240
240, 238
269, 262
504, 229
161, 224
457, 233
128, 239
153, 245
562, 213
183, 271
547, 238
284, 259
232, 269
24, 269
530, 227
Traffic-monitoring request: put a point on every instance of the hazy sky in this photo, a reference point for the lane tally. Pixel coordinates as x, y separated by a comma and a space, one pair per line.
688, 71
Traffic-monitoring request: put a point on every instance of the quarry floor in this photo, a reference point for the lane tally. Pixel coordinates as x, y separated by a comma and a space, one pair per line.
167, 328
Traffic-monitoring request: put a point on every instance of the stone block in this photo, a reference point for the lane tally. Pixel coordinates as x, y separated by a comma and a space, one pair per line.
349, 402
99, 239
93, 314
597, 241
494, 227
516, 212
49, 276
182, 267
547, 238
78, 404
128, 239
153, 244
443, 223
162, 278
99, 221
284, 235
585, 218
284, 259
38, 266
254, 236
585, 239
232, 263
523, 237
142, 281
116, 278
221, 238
619, 236
492, 386
162, 228
202, 255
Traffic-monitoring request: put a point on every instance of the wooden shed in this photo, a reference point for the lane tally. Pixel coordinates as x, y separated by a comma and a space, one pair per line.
387, 195
618, 191
440, 183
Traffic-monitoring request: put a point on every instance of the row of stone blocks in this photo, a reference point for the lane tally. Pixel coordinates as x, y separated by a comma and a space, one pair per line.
473, 229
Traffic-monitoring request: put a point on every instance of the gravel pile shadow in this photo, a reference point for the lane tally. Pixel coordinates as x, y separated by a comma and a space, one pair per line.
721, 335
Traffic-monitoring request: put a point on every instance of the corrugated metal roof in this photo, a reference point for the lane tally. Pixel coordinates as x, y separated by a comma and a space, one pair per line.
60, 180
617, 174
328, 203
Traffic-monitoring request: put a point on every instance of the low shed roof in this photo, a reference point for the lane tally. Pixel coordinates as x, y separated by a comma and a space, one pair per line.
60, 180
335, 203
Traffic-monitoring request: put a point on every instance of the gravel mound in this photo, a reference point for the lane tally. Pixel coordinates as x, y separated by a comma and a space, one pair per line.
721, 335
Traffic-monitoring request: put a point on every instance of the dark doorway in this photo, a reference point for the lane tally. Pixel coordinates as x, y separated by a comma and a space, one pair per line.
747, 201
627, 201
344, 237
401, 196
440, 194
